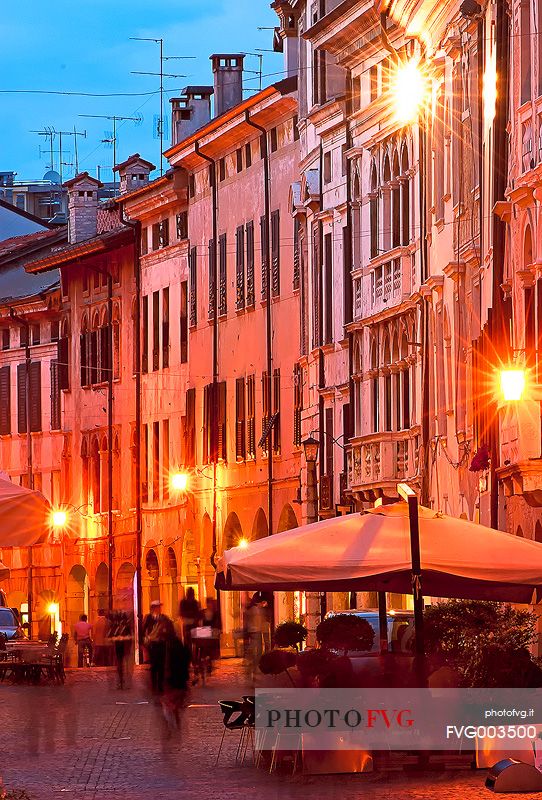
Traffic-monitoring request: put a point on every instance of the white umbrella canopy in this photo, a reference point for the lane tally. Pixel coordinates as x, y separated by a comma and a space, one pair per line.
4, 571
24, 516
371, 552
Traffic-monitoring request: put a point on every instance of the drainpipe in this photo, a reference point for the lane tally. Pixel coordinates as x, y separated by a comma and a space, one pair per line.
29, 465
268, 317
110, 540
214, 420
136, 226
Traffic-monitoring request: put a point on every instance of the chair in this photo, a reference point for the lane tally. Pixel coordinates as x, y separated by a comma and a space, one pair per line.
234, 718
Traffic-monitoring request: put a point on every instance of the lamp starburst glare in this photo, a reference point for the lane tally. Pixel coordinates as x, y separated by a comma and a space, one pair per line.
179, 481
409, 90
59, 518
512, 384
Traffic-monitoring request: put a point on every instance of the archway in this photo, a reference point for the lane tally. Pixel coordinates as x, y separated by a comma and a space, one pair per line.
287, 519
519, 531
77, 598
260, 528
153, 575
172, 574
101, 588
231, 603
46, 614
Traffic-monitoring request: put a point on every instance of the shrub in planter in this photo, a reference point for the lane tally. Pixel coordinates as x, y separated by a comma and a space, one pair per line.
290, 634
487, 643
314, 663
345, 632
277, 661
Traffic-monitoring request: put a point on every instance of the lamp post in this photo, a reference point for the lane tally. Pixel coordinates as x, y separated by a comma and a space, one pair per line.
310, 448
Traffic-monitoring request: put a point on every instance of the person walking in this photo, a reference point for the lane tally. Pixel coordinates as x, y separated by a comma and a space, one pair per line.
101, 649
121, 636
190, 614
158, 632
255, 622
82, 635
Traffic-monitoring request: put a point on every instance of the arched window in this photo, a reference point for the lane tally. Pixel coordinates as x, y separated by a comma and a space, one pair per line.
396, 202
373, 210
386, 360
356, 220
95, 475
438, 150
85, 472
386, 204
116, 472
94, 344
116, 341
529, 301
84, 344
525, 45
405, 383
375, 390
405, 197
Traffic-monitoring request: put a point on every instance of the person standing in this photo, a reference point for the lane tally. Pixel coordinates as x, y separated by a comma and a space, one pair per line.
121, 635
101, 648
82, 634
255, 621
190, 613
158, 632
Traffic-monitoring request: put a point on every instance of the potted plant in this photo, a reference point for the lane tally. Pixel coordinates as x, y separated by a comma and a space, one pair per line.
290, 634
344, 633
278, 661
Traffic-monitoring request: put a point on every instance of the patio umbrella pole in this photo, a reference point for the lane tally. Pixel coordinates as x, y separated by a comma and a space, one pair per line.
410, 496
383, 622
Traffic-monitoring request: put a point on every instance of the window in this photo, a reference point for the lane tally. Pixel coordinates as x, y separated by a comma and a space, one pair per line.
266, 412
223, 287
192, 274
155, 331
145, 335
5, 339
190, 429
275, 253
191, 186
156, 236
181, 221
328, 288
144, 241
298, 403
240, 267
264, 254
248, 155
55, 330
329, 445
5, 400
316, 289
251, 417
296, 258
239, 159
373, 81
23, 336
165, 328
207, 423
250, 292
165, 458
222, 449
164, 233
184, 322
155, 460
103, 371
296, 128
276, 411
145, 465
240, 420
35, 397
356, 93
273, 139
327, 167
222, 169
373, 211
212, 279
55, 397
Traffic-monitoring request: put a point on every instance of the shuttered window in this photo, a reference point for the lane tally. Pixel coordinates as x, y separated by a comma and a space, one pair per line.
155, 460
63, 360
165, 328
35, 397
275, 253
298, 403
21, 398
328, 289
223, 288
145, 470
263, 249
249, 236
296, 277
240, 420
266, 413
222, 444
5, 400
207, 422
212, 279
145, 335
5, 339
155, 331
276, 411
251, 417
184, 322
316, 310
190, 429
193, 275
165, 458
240, 267
55, 396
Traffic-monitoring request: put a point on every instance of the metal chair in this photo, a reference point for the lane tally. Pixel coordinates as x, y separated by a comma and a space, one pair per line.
234, 718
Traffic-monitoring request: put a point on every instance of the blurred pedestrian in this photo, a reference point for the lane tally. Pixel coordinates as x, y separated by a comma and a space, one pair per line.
82, 635
120, 635
176, 683
190, 612
101, 648
255, 625
158, 632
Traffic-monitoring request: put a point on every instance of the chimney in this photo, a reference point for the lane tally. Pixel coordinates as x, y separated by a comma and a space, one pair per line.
286, 36
82, 207
133, 173
190, 112
228, 78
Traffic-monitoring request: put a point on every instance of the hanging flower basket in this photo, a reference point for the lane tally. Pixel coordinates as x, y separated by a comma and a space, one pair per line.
480, 460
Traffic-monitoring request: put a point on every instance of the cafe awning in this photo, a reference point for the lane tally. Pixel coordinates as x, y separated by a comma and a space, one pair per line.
372, 552
4, 572
24, 516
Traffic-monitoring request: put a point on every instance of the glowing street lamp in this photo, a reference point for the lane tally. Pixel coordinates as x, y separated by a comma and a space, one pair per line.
179, 481
59, 518
513, 383
409, 91
242, 543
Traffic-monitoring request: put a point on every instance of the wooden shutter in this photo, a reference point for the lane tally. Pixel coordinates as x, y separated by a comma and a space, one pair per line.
250, 292
240, 267
193, 286
94, 375
155, 331
276, 410
35, 396
275, 253
145, 335
190, 429
63, 356
266, 411
21, 398
222, 439
212, 279
207, 422
316, 322
264, 235
251, 417
55, 396
83, 353
104, 365
165, 327
223, 288
240, 419
328, 302
298, 403
5, 400
184, 322
296, 254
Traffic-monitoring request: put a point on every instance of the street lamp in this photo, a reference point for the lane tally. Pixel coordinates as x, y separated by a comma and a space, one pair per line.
409, 90
315, 603
243, 543
179, 481
310, 448
513, 384
59, 518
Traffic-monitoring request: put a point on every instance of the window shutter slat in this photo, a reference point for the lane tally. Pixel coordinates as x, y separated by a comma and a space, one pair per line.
21, 398
35, 396
212, 277
250, 292
5, 400
275, 253
240, 267
263, 246
223, 288
55, 396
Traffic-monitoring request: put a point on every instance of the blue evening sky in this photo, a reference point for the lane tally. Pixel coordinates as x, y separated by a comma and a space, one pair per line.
85, 46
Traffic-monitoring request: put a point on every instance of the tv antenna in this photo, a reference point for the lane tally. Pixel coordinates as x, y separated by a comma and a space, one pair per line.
50, 133
161, 75
111, 136
259, 71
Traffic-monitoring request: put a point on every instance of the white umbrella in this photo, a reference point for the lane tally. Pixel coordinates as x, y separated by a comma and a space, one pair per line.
24, 516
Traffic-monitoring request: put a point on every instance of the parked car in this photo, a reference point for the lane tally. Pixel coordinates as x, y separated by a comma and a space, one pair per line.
9, 624
400, 628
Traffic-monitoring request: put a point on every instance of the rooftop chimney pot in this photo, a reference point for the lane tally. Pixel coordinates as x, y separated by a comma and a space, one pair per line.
228, 79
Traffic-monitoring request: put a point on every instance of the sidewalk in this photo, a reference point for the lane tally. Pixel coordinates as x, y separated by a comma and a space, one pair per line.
87, 740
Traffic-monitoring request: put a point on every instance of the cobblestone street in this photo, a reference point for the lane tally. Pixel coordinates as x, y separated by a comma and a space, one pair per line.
90, 741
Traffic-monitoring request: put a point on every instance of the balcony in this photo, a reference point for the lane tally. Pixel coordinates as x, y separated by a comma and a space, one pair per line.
377, 461
385, 285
